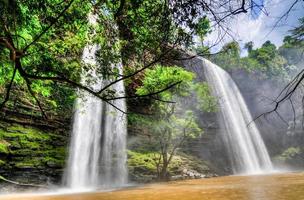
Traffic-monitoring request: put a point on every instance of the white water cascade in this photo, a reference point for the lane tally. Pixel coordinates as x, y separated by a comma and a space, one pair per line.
97, 154
241, 136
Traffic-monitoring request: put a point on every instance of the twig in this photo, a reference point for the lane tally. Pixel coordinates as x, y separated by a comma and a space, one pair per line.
8, 90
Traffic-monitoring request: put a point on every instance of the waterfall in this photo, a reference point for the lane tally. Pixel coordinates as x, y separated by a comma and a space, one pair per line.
97, 153
241, 136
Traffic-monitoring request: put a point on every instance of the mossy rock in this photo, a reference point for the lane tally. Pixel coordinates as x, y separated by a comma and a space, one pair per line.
142, 165
292, 157
31, 148
142, 162
2, 163
53, 162
29, 163
4, 147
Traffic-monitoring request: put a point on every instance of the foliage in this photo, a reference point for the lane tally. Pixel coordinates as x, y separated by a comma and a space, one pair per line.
202, 28
291, 157
229, 56
58, 50
142, 165
172, 122
279, 63
293, 46
205, 101
161, 77
145, 161
297, 34
291, 152
147, 27
268, 60
41, 46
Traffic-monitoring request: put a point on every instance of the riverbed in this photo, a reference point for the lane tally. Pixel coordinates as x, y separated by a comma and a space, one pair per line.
287, 186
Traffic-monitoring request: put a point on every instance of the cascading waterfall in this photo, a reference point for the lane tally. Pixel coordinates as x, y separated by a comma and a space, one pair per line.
114, 157
241, 136
97, 154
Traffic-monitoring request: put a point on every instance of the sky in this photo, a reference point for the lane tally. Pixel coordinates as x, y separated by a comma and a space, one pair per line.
257, 26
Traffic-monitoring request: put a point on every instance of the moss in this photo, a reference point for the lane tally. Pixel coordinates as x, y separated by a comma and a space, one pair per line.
30, 163
194, 163
53, 162
2, 163
24, 133
25, 138
4, 147
20, 153
144, 163
289, 154
30, 158
25, 144
31, 148
59, 153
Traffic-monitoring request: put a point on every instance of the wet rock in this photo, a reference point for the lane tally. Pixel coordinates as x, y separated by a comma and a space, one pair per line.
177, 177
191, 174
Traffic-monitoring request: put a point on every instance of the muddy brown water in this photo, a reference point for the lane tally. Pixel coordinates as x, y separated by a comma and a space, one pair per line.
288, 186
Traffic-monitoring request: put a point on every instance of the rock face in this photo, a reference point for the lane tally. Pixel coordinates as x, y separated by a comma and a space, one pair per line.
30, 155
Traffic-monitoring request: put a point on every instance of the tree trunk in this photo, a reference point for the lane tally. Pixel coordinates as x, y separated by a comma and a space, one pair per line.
163, 175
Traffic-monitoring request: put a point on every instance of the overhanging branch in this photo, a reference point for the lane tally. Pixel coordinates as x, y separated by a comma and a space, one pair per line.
8, 90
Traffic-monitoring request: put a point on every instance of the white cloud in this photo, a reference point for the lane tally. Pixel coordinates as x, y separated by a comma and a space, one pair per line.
244, 28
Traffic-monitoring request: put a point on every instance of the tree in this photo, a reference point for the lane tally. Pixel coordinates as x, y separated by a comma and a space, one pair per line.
266, 60
270, 61
41, 42
36, 55
171, 132
297, 34
292, 49
41, 45
229, 56
249, 46
171, 121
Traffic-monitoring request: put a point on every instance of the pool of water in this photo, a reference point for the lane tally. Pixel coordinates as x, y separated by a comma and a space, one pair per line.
287, 186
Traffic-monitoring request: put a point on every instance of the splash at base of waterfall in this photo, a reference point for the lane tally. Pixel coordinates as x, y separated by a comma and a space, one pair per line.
248, 153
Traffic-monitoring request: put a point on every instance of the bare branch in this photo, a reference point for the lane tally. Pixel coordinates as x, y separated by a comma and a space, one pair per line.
136, 72
28, 84
283, 16
149, 94
8, 90
289, 90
